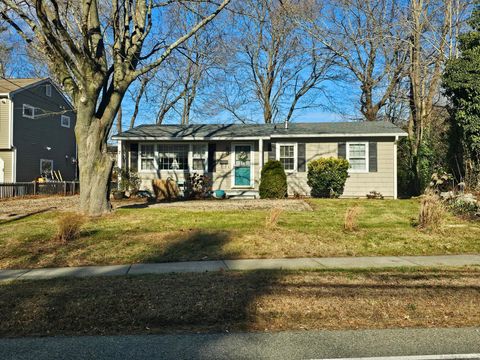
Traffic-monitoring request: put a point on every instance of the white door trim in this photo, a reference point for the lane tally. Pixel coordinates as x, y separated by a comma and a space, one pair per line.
232, 159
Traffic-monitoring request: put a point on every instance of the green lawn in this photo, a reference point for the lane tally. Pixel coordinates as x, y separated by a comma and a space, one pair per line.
161, 234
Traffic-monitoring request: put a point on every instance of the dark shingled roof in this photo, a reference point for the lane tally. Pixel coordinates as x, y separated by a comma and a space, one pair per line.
262, 130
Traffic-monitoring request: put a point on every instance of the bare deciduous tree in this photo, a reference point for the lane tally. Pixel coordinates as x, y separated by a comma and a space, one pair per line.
366, 36
433, 26
179, 88
274, 63
5, 52
96, 49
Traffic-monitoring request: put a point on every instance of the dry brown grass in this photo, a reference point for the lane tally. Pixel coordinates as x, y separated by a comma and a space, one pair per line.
242, 301
351, 219
271, 220
69, 226
432, 212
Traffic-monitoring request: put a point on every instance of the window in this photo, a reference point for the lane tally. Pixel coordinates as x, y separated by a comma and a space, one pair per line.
199, 157
147, 157
46, 166
65, 121
286, 154
357, 155
28, 111
48, 90
173, 156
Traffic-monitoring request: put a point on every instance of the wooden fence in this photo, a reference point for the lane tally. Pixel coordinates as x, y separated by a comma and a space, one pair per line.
8, 190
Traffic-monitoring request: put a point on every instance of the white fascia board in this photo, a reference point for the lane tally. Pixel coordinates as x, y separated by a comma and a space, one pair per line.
187, 138
274, 136
337, 135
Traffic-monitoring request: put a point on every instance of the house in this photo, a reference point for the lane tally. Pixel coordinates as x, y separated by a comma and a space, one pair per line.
36, 131
233, 155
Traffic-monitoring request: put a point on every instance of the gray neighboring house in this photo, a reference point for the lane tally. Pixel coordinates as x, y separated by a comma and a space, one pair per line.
36, 130
233, 155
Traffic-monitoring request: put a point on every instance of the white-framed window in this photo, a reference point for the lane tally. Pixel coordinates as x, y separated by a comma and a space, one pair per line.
199, 157
28, 111
46, 166
65, 121
287, 155
48, 90
147, 157
357, 156
173, 156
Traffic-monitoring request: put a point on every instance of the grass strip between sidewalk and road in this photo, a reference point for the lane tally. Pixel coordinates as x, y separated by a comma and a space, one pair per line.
242, 301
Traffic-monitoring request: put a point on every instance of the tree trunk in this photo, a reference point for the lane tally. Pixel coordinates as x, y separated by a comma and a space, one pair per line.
95, 164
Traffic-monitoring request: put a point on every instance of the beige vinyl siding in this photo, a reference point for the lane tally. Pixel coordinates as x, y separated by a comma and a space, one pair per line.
357, 184
8, 158
222, 178
360, 184
5, 131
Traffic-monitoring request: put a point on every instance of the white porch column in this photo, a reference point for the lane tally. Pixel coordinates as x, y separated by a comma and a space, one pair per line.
119, 161
260, 157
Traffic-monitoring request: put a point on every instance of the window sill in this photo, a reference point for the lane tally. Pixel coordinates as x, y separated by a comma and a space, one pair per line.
358, 172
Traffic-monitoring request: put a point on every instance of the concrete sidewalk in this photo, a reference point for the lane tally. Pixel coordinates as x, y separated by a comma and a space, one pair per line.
247, 264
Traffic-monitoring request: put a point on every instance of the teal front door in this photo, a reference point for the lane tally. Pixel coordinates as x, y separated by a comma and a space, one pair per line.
242, 170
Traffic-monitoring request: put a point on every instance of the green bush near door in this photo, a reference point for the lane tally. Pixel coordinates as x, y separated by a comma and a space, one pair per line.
273, 184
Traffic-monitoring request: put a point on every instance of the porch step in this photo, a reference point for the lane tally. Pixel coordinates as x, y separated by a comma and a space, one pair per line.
242, 194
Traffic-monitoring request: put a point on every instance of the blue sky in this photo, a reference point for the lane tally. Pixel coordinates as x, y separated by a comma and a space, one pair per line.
341, 104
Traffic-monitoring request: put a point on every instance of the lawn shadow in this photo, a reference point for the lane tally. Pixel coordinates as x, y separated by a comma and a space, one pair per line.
213, 302
192, 244
16, 217
164, 303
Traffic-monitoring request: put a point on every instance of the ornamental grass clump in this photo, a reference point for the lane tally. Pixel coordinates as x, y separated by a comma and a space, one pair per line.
351, 219
271, 220
327, 177
273, 183
69, 226
432, 212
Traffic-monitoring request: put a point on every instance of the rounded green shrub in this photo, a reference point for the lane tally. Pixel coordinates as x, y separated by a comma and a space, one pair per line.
273, 183
327, 176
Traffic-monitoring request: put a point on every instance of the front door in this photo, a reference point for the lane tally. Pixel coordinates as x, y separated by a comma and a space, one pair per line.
242, 165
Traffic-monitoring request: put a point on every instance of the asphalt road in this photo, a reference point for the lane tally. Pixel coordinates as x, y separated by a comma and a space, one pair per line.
283, 345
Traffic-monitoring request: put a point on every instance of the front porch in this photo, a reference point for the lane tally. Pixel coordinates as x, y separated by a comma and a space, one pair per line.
232, 166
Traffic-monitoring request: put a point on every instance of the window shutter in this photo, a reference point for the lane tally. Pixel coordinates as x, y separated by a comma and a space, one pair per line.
272, 151
134, 157
212, 157
372, 157
342, 150
301, 157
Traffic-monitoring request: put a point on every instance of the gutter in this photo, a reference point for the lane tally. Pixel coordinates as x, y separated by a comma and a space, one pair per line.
274, 136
